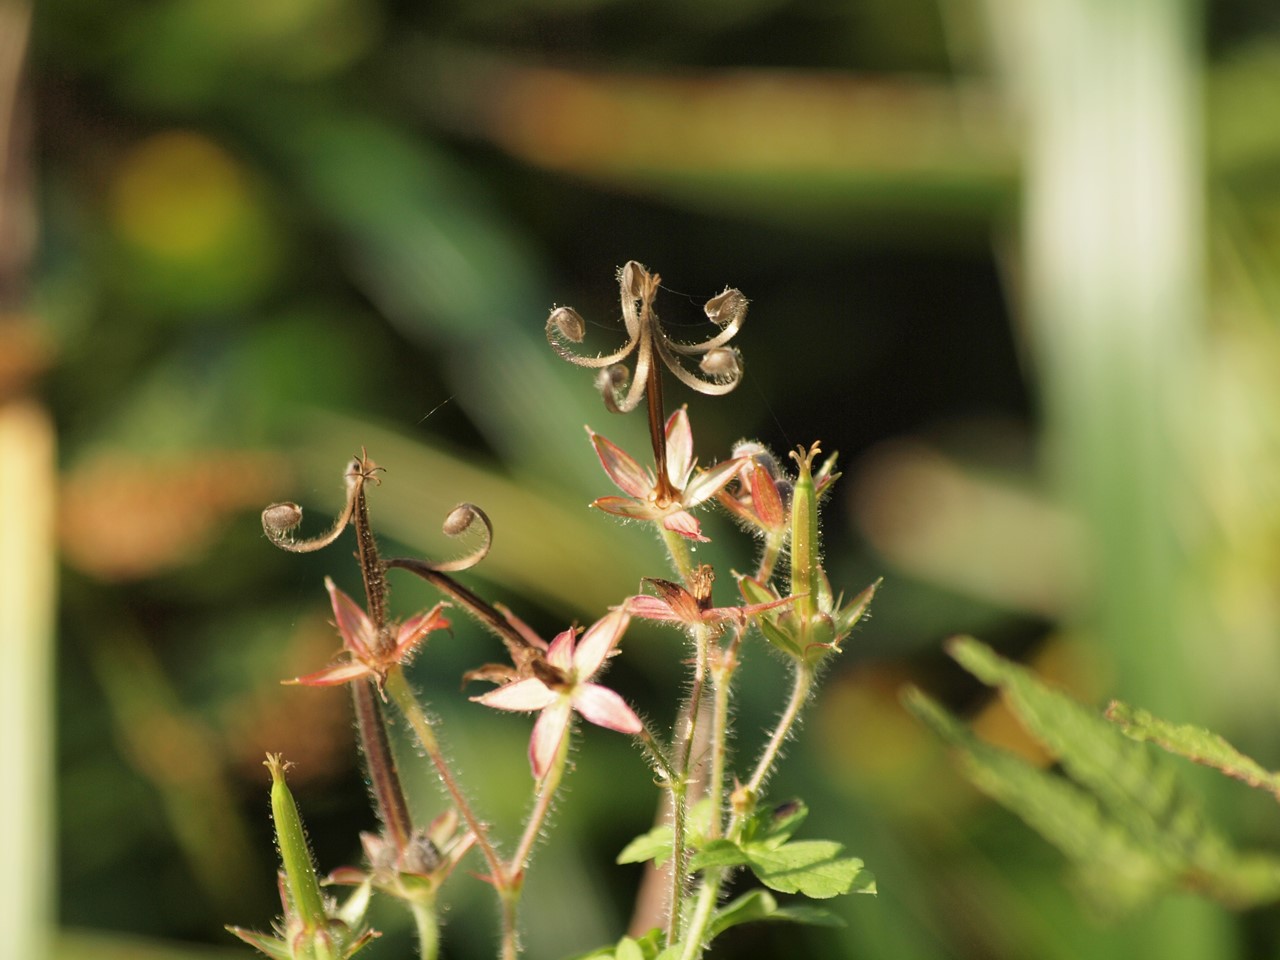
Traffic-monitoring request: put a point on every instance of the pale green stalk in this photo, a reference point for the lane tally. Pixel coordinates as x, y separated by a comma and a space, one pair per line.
424, 918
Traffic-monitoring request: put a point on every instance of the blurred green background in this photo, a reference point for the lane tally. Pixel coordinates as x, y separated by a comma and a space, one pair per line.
1017, 260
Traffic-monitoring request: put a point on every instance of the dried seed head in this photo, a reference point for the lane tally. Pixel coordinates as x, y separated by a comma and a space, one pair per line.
726, 308
722, 364
567, 323
461, 520
281, 518
633, 278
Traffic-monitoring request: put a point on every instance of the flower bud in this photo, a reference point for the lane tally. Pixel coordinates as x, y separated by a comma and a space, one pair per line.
300, 873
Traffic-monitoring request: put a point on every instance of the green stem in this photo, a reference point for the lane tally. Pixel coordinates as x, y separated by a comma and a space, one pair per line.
801, 686
424, 918
679, 857
721, 676
547, 788
703, 912
678, 550
398, 688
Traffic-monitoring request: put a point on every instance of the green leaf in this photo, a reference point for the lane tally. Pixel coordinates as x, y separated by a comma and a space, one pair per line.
1121, 816
761, 905
718, 853
654, 845
628, 949
811, 867
1062, 812
1139, 788
1194, 743
776, 824
273, 947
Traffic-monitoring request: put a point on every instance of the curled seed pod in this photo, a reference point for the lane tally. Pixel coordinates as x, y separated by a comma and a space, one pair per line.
614, 384
281, 519
633, 279
461, 520
568, 323
727, 308
722, 364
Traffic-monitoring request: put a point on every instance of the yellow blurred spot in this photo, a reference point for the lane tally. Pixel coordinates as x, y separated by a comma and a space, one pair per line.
180, 196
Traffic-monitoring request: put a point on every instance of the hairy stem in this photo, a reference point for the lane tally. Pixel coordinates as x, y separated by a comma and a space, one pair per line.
482, 611
801, 685
398, 687
428, 926
546, 788
380, 764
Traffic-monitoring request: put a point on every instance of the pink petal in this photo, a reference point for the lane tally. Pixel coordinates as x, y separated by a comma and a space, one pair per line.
627, 507
709, 482
621, 467
684, 523
679, 448
651, 608
413, 630
333, 675
354, 626
766, 499
522, 696
548, 731
560, 654
605, 708
601, 637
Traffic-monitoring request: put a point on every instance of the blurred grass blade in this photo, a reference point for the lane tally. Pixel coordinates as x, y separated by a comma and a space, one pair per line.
27, 739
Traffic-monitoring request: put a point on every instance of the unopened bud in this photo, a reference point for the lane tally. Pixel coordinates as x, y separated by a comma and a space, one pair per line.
420, 855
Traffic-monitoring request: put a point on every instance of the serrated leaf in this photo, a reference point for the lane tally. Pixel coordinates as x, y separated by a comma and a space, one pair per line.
1194, 743
811, 867
1139, 788
654, 845
762, 905
1062, 812
1122, 861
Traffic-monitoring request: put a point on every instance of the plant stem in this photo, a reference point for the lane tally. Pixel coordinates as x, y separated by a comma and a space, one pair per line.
703, 912
424, 918
678, 550
547, 788
398, 687
801, 686
721, 676
380, 764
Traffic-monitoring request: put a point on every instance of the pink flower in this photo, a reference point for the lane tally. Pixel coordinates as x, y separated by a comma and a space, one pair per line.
649, 498
562, 685
370, 652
